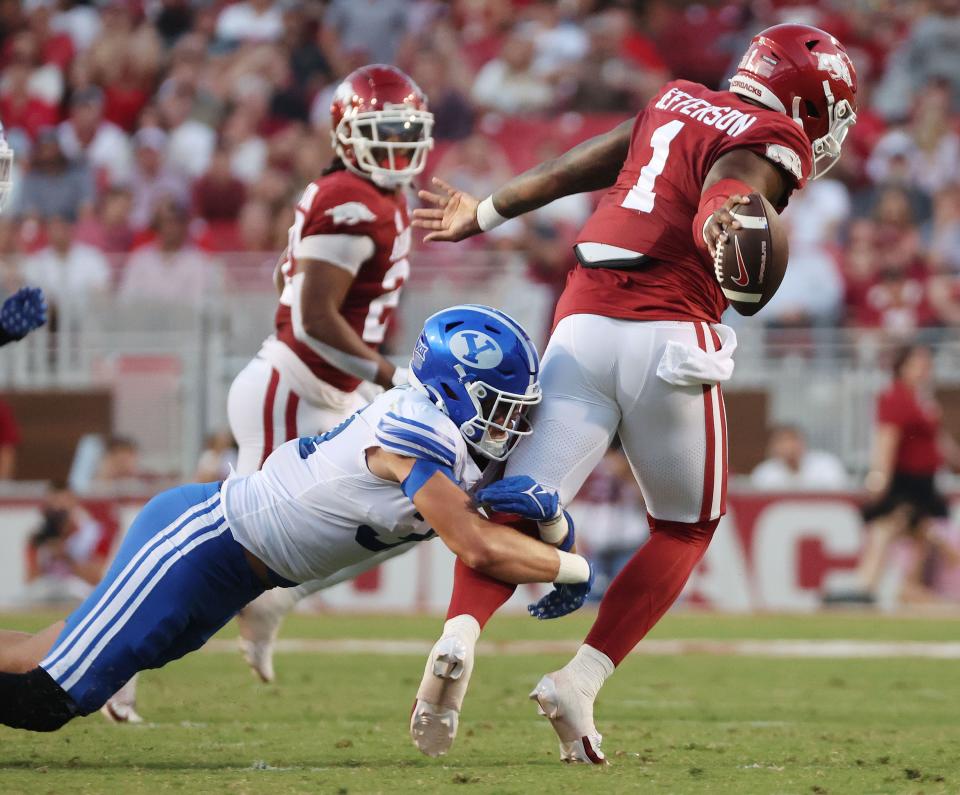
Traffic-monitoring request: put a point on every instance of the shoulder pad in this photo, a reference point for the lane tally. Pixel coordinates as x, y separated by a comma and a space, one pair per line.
416, 428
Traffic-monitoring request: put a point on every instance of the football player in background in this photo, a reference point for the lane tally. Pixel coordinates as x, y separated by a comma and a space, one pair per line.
339, 282
26, 309
397, 472
637, 348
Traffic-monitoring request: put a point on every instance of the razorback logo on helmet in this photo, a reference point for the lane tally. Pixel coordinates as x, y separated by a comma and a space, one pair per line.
351, 214
836, 65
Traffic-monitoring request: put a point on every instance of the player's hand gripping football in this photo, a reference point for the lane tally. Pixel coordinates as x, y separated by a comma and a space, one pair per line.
452, 216
22, 312
523, 496
721, 221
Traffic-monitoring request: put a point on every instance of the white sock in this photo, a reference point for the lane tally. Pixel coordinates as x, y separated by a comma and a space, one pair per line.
591, 669
464, 625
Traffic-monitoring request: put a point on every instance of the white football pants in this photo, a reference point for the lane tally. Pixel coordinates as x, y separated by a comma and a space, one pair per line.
265, 411
599, 378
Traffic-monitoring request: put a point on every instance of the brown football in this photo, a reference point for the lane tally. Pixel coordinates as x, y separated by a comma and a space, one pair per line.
751, 265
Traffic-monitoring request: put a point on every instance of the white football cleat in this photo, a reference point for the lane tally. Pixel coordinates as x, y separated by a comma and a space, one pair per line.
570, 712
259, 622
436, 712
122, 706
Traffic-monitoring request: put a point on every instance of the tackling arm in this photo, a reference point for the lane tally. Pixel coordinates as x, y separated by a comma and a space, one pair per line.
591, 165
318, 324
490, 548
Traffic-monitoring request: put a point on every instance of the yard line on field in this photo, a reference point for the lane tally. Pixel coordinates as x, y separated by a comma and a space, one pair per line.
813, 649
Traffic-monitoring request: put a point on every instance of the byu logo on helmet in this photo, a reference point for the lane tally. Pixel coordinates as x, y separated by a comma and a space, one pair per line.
476, 349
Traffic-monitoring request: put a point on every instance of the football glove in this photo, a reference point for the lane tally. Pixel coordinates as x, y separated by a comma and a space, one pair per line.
22, 312
521, 495
562, 600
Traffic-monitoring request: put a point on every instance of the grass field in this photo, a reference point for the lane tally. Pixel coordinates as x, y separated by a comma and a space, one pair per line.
692, 722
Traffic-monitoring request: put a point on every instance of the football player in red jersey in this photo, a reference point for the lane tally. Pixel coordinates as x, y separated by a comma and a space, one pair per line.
339, 282
637, 348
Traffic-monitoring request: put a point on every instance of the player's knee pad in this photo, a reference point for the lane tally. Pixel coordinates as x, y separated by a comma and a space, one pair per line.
698, 533
33, 701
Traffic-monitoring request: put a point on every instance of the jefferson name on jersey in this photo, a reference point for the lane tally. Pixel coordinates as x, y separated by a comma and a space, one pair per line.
724, 118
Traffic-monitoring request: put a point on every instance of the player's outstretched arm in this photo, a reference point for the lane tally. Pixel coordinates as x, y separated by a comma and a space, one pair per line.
454, 215
490, 548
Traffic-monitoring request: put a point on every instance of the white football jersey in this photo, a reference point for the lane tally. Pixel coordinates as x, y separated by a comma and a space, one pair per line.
315, 508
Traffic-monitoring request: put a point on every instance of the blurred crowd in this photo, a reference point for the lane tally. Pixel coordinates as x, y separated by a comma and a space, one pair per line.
152, 134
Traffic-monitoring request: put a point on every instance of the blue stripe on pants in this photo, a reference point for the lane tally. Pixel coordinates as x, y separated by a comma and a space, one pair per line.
178, 577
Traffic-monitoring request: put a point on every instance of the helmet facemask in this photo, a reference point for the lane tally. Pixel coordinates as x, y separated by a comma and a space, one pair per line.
500, 421
389, 146
826, 149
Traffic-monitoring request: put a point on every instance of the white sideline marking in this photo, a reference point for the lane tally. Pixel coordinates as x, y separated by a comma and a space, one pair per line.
813, 649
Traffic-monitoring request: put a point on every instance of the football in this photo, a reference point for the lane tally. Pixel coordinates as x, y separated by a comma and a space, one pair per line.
751, 265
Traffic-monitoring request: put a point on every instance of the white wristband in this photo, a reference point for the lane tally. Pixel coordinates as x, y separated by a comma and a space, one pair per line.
573, 569
487, 216
554, 531
400, 376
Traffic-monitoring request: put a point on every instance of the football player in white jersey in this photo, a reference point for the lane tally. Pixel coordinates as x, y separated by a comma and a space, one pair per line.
395, 473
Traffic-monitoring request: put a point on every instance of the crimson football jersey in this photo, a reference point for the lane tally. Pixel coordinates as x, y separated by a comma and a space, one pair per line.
345, 219
650, 210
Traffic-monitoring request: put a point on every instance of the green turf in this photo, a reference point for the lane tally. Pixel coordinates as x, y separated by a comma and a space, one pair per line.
672, 724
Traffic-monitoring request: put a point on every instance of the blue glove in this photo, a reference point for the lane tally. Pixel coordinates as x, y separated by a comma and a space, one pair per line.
522, 495
562, 600
22, 312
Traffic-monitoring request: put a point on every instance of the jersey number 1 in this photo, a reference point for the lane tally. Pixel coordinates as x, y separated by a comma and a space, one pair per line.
641, 195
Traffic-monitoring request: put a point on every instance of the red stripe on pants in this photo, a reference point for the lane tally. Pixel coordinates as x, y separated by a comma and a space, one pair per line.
290, 415
723, 436
268, 402
708, 465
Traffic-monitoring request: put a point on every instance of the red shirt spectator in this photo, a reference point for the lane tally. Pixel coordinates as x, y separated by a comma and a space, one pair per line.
9, 440
918, 421
123, 102
218, 195
28, 113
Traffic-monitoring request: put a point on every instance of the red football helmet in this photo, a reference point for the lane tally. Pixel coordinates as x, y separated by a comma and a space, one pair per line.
804, 72
381, 126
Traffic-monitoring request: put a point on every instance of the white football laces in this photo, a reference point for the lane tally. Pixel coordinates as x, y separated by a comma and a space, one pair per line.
718, 256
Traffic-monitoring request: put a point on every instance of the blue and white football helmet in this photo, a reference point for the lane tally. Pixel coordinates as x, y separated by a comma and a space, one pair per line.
480, 367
